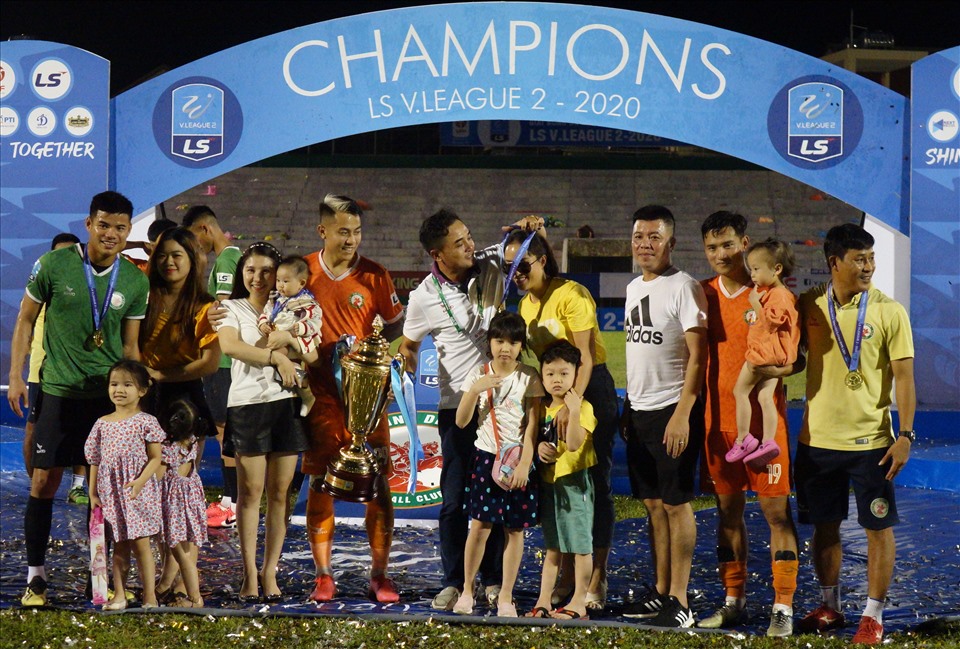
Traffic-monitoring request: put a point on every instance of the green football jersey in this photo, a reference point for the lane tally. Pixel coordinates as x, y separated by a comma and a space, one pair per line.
73, 368
221, 281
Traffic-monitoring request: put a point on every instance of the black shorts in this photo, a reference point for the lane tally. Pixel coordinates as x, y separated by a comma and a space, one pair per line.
62, 427
653, 473
216, 388
33, 396
166, 393
273, 427
822, 478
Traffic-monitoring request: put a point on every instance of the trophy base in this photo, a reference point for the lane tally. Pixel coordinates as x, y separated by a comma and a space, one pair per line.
349, 485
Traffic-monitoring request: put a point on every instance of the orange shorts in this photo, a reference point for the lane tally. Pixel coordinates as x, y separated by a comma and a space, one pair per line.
724, 478
326, 429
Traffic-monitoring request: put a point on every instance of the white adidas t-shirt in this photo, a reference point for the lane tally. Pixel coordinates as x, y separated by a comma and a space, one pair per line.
657, 313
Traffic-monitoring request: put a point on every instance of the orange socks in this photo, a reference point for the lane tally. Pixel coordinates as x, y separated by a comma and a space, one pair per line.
379, 522
320, 524
785, 581
733, 574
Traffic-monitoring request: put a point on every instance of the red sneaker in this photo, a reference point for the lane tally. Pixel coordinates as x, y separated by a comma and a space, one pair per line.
383, 590
219, 516
324, 590
870, 631
822, 619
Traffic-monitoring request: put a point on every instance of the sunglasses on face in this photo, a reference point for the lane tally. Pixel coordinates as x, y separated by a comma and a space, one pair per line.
523, 268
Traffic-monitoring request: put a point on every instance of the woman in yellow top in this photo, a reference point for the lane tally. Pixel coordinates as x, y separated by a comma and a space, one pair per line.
177, 344
555, 309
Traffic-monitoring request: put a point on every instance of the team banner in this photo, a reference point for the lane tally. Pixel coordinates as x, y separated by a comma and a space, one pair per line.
935, 231
499, 62
54, 138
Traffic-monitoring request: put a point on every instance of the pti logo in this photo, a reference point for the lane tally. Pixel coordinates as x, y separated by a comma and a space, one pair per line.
197, 122
815, 122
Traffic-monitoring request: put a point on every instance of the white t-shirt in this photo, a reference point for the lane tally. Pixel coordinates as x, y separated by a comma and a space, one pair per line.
457, 351
250, 383
657, 313
523, 383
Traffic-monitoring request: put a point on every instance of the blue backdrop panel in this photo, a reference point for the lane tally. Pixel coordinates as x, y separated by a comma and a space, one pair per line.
935, 231
754, 100
54, 141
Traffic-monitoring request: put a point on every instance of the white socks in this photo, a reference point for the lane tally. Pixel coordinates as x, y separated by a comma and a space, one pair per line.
78, 481
36, 571
874, 609
227, 502
830, 596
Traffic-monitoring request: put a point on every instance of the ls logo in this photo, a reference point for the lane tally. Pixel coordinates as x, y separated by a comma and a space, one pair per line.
197, 128
815, 121
51, 79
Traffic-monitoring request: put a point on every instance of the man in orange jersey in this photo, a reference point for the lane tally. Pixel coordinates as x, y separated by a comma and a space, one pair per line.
351, 291
729, 317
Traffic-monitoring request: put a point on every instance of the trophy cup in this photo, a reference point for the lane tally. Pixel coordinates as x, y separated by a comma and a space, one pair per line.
366, 383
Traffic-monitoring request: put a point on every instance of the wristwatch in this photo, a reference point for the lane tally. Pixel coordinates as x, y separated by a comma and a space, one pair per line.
909, 434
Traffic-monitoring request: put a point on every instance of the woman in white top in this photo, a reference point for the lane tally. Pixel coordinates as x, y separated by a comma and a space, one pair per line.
263, 419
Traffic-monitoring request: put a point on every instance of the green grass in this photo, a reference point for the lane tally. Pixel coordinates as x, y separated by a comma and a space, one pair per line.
55, 629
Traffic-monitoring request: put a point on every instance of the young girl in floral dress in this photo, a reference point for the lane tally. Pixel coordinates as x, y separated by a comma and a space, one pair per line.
183, 503
123, 450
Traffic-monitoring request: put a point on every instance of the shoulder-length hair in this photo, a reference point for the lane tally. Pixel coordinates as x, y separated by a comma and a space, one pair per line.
261, 248
193, 295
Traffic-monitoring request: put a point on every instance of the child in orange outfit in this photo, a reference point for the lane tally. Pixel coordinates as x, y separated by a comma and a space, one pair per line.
772, 340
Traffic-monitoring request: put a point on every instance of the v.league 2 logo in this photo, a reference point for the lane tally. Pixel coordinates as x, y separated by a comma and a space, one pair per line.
197, 122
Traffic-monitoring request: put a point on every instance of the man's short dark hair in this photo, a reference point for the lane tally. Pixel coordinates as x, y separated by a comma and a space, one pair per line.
435, 228
111, 203
64, 237
561, 350
656, 213
196, 213
722, 220
158, 227
332, 204
841, 238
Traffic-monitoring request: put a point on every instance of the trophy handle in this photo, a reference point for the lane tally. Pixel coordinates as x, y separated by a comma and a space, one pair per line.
403, 362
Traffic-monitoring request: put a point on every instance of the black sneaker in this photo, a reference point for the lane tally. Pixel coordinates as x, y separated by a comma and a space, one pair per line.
674, 615
648, 606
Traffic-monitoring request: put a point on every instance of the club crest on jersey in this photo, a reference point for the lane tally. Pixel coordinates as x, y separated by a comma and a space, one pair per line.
356, 300
117, 300
868, 331
750, 316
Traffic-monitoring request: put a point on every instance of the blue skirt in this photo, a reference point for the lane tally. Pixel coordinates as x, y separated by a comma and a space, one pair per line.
486, 501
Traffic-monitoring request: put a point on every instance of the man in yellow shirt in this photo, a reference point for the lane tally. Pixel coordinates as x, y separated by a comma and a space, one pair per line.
858, 341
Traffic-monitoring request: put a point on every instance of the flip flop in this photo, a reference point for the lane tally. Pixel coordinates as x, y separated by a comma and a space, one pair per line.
538, 611
567, 614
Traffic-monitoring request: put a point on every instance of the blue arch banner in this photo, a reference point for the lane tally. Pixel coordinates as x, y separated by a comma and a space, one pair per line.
639, 72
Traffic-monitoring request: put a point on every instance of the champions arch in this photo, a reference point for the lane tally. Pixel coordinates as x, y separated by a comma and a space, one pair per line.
747, 98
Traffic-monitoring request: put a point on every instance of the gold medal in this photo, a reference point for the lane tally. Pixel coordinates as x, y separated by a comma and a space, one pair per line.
95, 341
853, 380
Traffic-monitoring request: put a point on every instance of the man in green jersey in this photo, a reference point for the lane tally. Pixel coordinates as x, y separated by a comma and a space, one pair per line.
94, 301
201, 220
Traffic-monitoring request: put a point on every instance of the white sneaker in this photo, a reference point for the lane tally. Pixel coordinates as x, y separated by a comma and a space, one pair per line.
445, 599
781, 624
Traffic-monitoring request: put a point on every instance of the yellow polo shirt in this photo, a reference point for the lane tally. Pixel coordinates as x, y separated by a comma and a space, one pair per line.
565, 309
837, 417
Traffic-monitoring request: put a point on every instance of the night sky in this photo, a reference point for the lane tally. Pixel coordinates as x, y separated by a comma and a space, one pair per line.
140, 38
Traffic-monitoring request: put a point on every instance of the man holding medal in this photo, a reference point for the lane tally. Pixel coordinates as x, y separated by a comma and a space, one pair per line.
95, 299
454, 304
859, 346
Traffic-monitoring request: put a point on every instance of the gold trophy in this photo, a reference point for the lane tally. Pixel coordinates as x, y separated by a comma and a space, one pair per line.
366, 384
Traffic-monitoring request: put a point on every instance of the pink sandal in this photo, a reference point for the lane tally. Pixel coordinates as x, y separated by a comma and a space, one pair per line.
742, 449
759, 459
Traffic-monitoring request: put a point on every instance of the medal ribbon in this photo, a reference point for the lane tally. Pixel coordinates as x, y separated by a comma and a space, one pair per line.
852, 360
278, 305
446, 307
99, 314
521, 253
341, 349
403, 393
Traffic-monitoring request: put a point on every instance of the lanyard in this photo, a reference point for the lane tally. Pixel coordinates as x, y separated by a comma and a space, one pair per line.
99, 314
446, 307
518, 258
852, 360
